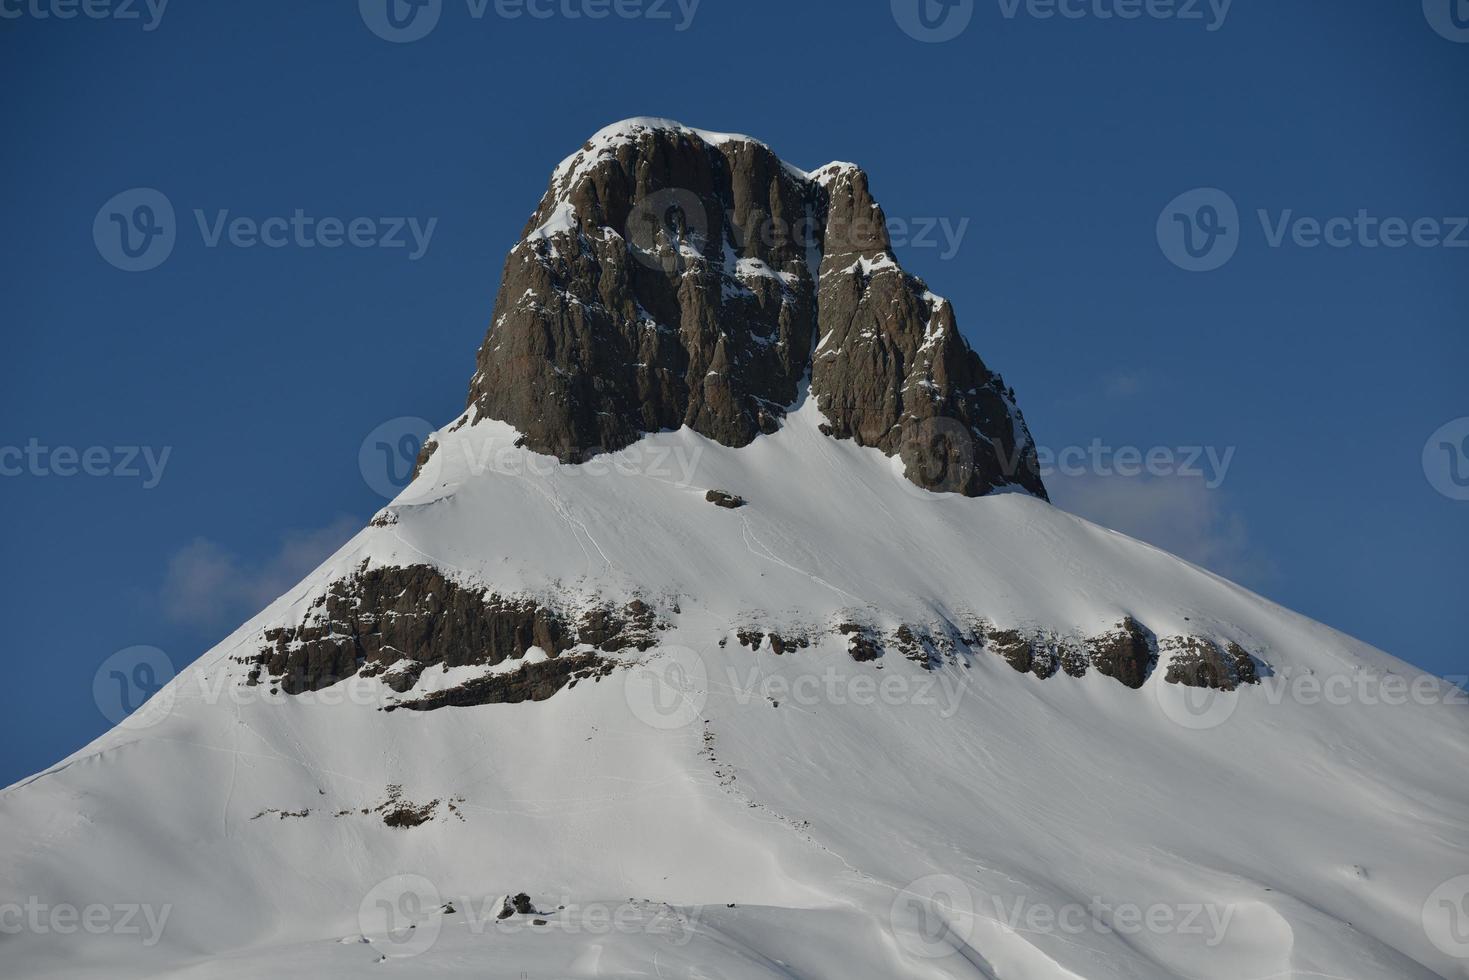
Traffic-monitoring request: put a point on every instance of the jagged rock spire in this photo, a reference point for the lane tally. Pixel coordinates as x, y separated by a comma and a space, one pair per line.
676, 277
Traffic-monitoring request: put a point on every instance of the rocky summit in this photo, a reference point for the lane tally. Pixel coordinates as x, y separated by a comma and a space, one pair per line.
673, 277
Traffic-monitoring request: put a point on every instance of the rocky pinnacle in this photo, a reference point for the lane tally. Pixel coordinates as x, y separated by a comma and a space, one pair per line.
674, 277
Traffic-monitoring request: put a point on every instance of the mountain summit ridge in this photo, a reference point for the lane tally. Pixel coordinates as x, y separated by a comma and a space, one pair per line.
672, 276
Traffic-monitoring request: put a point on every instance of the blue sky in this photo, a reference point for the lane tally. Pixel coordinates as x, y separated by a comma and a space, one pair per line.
1044, 153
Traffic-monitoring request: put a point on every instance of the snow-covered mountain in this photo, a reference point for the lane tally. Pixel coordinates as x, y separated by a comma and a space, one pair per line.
728, 634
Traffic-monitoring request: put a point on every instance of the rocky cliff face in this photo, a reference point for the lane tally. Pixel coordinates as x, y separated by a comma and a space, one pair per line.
672, 277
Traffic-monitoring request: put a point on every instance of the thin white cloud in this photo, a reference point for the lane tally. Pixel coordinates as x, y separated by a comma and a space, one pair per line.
1179, 514
1123, 384
208, 586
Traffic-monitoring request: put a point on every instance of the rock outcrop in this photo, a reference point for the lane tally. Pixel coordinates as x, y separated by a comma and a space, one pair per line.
660, 283
673, 277
396, 622
891, 369
1128, 653
1197, 662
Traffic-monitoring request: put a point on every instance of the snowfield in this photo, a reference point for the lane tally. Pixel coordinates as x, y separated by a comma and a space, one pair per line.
711, 811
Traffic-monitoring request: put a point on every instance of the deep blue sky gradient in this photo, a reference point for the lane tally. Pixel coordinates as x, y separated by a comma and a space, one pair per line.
1060, 141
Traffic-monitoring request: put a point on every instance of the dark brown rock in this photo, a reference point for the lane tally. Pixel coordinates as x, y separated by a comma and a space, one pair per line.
1128, 654
530, 682
726, 500
917, 645
639, 316
611, 630
862, 643
1043, 656
398, 621
780, 644
1014, 647
1072, 660
891, 369
669, 280
1194, 661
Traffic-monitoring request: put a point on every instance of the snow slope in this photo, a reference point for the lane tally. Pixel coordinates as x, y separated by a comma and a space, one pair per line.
881, 821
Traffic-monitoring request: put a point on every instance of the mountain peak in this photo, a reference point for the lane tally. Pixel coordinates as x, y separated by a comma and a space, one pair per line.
673, 276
